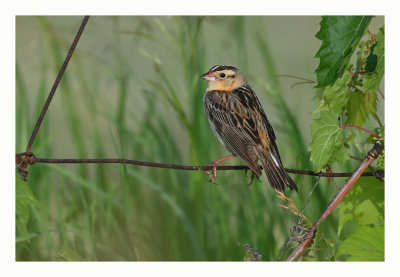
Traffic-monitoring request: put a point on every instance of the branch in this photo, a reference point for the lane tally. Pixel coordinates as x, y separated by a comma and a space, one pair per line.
372, 155
31, 159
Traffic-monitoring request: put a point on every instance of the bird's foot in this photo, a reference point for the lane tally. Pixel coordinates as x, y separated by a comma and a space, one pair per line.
214, 165
252, 178
212, 176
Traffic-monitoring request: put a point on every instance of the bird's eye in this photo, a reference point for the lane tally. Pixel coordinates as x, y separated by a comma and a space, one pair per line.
222, 75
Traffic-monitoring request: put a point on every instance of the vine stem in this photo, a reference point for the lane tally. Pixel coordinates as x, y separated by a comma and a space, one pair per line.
358, 127
306, 242
296, 77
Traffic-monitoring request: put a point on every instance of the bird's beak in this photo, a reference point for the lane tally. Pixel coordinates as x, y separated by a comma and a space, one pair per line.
208, 76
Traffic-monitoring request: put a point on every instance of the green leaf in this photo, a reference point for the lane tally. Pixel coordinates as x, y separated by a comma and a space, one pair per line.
366, 244
350, 138
340, 155
380, 165
360, 106
362, 207
322, 106
340, 36
24, 200
364, 204
349, 228
372, 81
323, 245
337, 96
326, 136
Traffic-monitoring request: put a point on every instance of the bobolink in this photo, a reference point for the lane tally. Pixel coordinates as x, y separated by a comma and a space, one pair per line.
240, 124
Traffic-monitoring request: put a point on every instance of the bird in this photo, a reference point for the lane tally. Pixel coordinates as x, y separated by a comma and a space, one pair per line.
240, 124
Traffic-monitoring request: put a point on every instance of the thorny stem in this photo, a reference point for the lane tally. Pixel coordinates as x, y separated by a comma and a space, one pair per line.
372, 155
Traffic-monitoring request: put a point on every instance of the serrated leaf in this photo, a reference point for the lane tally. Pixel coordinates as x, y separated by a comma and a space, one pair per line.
24, 200
360, 106
364, 204
372, 81
340, 36
337, 96
366, 244
326, 136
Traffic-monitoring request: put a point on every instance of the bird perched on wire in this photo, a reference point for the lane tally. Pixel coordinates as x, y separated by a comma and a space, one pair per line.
240, 124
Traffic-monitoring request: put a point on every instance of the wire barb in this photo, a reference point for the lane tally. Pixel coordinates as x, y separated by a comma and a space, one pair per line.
22, 160
252, 253
298, 232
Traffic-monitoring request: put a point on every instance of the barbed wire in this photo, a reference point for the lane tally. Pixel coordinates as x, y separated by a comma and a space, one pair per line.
25, 158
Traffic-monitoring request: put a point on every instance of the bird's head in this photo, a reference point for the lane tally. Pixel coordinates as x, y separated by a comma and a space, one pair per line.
224, 78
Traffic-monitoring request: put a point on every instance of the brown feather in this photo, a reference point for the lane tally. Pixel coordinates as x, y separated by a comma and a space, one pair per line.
276, 174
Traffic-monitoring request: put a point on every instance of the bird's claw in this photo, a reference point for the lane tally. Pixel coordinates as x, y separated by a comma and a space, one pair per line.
212, 177
252, 178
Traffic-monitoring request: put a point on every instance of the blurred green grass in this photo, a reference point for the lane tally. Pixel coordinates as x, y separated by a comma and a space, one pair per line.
132, 90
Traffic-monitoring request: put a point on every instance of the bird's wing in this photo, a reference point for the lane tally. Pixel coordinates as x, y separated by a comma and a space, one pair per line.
249, 98
256, 106
235, 124
267, 152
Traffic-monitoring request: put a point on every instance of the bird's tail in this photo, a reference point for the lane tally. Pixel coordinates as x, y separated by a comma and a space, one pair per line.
276, 174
